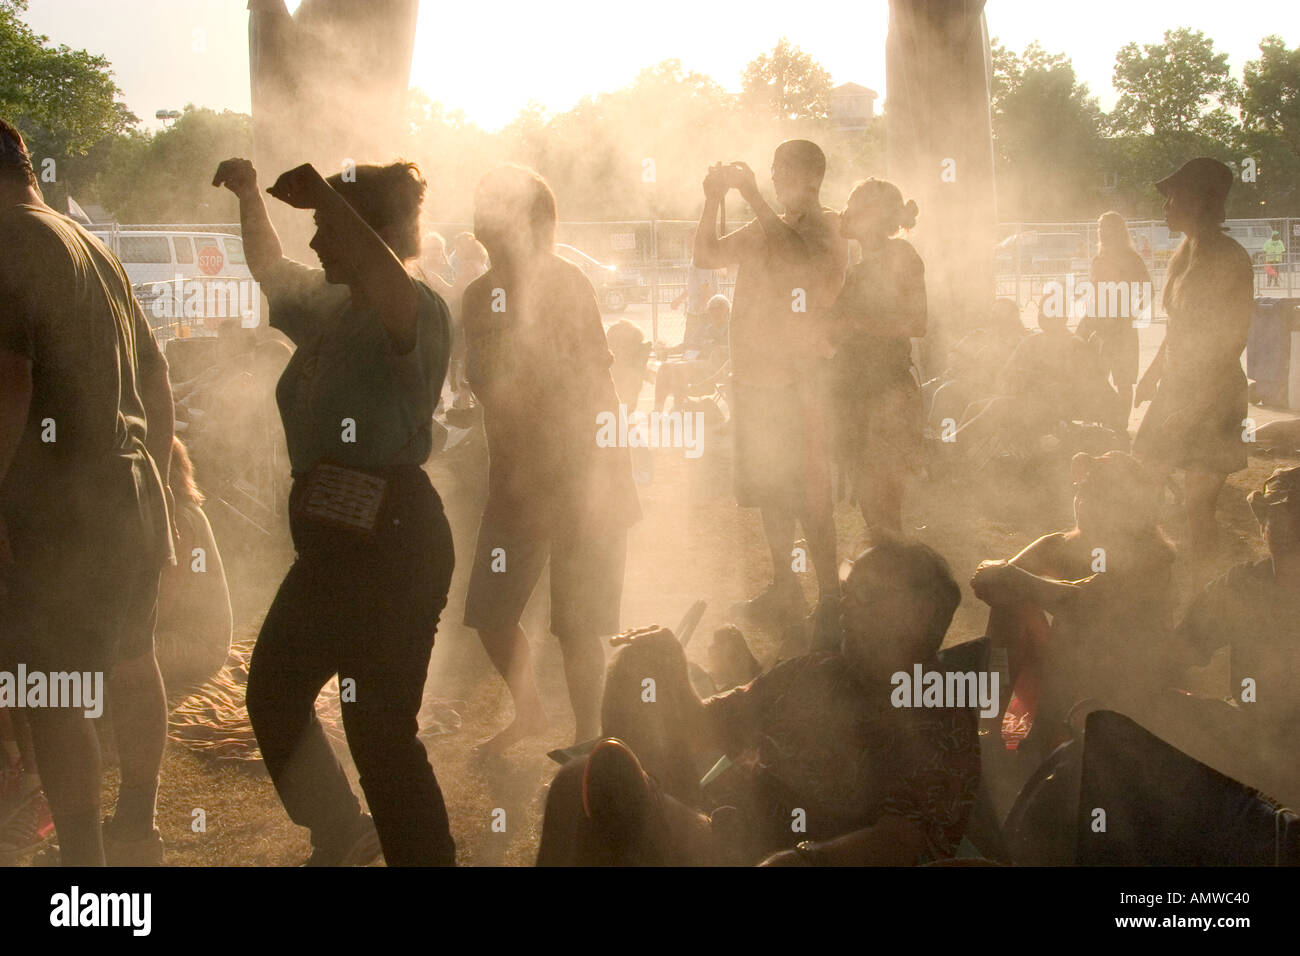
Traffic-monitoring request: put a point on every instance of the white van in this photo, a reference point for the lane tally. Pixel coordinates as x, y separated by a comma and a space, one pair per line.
187, 282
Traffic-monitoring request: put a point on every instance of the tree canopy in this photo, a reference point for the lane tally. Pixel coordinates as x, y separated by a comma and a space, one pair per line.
641, 150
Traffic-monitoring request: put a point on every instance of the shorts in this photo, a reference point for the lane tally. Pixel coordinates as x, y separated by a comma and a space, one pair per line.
586, 579
781, 454
77, 607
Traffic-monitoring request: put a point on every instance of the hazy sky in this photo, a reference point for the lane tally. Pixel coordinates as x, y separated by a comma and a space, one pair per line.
167, 53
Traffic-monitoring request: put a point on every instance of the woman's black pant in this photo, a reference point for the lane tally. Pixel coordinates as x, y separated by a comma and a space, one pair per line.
365, 608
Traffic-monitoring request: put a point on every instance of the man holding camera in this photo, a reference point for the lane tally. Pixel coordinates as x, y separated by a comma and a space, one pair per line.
791, 268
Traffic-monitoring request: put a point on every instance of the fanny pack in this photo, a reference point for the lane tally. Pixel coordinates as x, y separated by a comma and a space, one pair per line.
341, 497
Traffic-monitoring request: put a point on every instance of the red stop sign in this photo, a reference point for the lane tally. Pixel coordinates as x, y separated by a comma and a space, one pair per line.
211, 260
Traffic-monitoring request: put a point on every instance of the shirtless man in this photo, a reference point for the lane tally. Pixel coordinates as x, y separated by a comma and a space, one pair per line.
791, 269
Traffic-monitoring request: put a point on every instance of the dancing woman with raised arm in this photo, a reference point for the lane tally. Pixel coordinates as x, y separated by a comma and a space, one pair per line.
375, 556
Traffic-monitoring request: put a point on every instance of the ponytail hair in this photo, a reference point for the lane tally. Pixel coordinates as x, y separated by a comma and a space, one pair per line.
908, 219
886, 192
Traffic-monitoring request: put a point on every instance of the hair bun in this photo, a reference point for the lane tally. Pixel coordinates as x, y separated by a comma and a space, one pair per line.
910, 210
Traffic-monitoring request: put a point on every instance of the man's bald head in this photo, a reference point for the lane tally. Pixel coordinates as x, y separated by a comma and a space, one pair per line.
804, 157
797, 170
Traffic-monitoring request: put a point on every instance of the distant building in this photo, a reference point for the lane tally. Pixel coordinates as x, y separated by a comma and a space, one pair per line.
852, 106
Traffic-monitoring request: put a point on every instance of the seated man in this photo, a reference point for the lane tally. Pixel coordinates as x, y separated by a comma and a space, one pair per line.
700, 357
819, 752
1108, 584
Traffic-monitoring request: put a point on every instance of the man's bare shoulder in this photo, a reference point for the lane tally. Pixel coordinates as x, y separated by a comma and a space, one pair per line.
821, 227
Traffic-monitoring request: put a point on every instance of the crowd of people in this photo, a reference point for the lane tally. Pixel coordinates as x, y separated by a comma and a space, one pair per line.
108, 563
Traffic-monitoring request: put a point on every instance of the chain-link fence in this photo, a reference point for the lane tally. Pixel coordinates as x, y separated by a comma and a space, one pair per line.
1032, 256
639, 267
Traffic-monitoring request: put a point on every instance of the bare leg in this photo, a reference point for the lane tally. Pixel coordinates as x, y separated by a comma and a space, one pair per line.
67, 754
820, 531
1203, 489
509, 653
778, 528
882, 501
139, 714
584, 672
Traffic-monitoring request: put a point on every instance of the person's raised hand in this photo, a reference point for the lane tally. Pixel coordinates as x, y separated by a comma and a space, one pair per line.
742, 177
301, 187
715, 182
237, 175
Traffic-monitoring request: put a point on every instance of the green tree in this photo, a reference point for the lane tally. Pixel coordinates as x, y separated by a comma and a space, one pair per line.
167, 177
1270, 113
1270, 100
1046, 136
787, 84
1174, 88
64, 101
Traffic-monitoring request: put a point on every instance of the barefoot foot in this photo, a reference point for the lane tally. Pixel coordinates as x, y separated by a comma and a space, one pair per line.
524, 725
